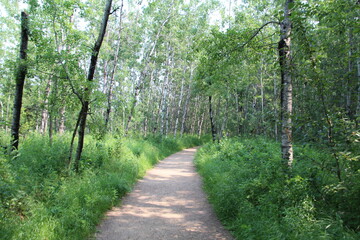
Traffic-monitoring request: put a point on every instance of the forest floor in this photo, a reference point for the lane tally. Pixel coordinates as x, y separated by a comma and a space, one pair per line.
168, 203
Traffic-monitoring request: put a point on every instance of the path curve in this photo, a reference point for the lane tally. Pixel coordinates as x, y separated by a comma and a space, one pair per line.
168, 203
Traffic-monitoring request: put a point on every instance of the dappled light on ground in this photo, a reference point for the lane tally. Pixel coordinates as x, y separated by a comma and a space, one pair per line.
167, 204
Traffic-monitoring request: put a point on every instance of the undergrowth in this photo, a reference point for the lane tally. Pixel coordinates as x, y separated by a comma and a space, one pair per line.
256, 200
41, 199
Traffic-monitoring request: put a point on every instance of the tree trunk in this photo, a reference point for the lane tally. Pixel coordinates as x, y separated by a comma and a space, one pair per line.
179, 104
144, 73
7, 114
225, 119
2, 110
239, 110
62, 120
45, 112
112, 77
164, 108
145, 125
275, 110
132, 109
358, 91
262, 92
20, 80
90, 77
185, 110
50, 127
167, 121
82, 124
286, 86
201, 124
194, 122
213, 132
246, 107
2, 113
349, 85
73, 139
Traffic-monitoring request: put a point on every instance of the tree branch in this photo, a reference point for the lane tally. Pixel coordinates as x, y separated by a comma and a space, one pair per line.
256, 33
71, 85
114, 10
239, 46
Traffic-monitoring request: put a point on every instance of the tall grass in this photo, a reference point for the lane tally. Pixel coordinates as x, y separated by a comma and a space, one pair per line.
41, 199
256, 200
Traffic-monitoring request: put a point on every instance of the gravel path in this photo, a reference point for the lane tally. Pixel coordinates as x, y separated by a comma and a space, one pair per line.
168, 203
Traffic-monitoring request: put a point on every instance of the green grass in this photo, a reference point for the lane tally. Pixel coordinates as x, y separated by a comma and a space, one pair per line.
255, 199
41, 199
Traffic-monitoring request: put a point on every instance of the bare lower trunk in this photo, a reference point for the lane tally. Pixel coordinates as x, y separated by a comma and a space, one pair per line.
192, 117
225, 118
82, 124
286, 87
7, 113
164, 108
20, 80
275, 111
349, 85
2, 110
358, 90
109, 99
213, 132
167, 121
201, 123
179, 106
45, 111
50, 128
62, 120
185, 110
262, 93
239, 110
132, 110
145, 125
245, 130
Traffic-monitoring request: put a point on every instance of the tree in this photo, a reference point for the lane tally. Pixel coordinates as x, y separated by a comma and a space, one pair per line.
113, 71
145, 71
87, 91
20, 80
286, 85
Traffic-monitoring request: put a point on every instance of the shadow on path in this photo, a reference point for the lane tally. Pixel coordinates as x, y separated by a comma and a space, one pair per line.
168, 203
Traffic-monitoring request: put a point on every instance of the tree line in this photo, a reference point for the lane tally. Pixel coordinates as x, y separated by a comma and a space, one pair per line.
287, 69
136, 78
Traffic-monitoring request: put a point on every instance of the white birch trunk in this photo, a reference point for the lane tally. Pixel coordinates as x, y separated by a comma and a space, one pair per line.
179, 104
286, 86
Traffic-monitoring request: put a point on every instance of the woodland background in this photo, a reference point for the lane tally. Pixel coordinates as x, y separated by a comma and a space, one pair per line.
167, 74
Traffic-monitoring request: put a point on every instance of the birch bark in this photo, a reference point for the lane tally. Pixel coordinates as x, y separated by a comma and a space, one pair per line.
286, 85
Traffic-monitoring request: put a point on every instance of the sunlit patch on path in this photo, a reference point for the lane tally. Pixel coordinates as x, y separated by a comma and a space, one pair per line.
168, 203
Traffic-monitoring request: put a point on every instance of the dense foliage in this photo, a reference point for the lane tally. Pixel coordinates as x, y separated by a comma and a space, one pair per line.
41, 199
143, 77
239, 68
255, 199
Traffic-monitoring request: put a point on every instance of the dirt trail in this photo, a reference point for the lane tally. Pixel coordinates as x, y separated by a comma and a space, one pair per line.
168, 203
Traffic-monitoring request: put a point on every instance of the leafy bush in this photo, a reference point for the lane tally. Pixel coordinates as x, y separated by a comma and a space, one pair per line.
256, 200
41, 199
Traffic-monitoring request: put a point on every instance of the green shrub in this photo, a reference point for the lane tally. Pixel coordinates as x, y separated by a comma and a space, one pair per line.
256, 200
41, 199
